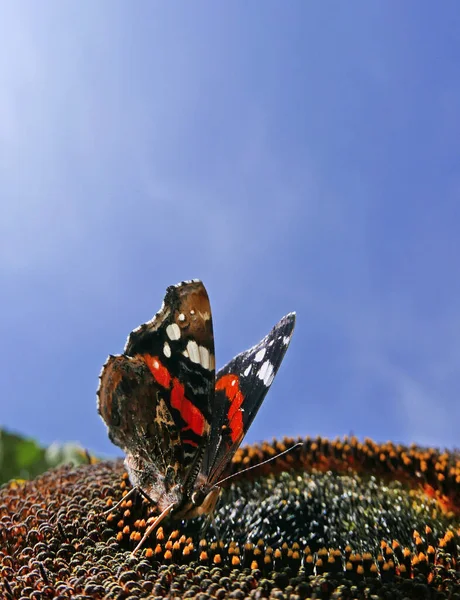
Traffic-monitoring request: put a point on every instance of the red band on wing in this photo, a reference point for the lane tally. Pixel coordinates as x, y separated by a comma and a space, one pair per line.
230, 385
159, 372
188, 411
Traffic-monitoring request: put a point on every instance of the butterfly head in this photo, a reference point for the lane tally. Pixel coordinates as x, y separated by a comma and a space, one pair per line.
202, 501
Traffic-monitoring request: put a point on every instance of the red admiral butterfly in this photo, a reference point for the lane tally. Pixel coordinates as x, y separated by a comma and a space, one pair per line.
178, 423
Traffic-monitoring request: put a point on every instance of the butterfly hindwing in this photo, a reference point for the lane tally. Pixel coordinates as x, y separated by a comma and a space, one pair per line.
240, 389
134, 407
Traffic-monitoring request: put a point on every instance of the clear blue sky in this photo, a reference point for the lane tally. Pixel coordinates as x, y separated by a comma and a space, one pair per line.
293, 155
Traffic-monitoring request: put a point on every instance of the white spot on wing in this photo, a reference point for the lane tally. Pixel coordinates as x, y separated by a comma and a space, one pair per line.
259, 356
167, 350
181, 317
173, 331
185, 353
204, 357
247, 370
186, 282
266, 373
193, 352
286, 340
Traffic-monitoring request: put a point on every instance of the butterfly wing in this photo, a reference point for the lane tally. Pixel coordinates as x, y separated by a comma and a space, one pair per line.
240, 389
134, 408
156, 397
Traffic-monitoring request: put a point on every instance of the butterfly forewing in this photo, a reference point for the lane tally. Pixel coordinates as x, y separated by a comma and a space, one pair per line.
240, 389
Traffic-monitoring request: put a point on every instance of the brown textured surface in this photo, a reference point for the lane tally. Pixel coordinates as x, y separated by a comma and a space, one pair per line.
352, 520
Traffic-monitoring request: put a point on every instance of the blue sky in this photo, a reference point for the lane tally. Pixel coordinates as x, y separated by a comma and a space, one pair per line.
303, 156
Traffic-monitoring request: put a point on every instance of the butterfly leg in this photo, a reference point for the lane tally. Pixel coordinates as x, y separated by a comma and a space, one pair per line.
211, 521
127, 496
153, 526
214, 526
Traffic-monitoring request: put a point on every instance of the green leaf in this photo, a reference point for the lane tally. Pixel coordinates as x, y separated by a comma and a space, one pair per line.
24, 458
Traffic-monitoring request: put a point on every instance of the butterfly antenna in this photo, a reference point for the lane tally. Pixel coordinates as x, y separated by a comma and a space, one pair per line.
264, 462
155, 524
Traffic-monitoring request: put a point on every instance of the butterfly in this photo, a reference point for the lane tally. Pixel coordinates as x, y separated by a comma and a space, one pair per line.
177, 422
